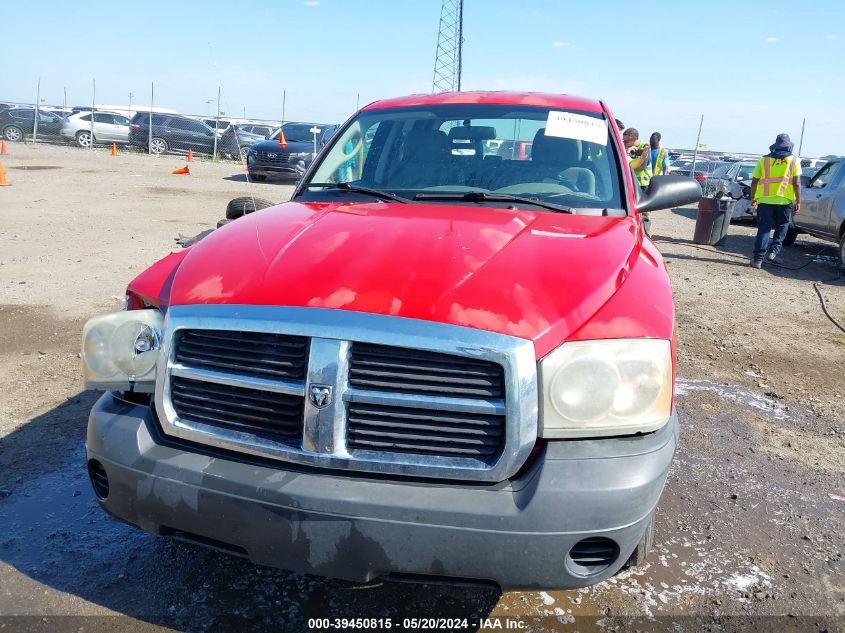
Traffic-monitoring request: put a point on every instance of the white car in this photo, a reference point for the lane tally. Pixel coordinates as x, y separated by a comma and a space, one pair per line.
108, 127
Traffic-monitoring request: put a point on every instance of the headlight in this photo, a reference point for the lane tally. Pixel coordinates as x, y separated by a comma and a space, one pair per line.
120, 350
613, 387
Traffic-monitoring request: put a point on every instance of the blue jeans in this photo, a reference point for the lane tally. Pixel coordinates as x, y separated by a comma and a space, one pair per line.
771, 216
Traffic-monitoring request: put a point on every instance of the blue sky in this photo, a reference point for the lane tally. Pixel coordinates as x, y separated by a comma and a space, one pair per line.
753, 69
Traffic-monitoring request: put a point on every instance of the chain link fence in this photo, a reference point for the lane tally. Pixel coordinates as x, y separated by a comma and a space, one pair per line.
137, 127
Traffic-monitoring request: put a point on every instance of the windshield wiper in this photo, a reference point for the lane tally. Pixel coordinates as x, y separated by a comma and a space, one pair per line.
345, 186
484, 196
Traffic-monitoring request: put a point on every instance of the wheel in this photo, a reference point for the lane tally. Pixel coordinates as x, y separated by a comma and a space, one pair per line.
791, 236
257, 178
83, 138
158, 145
241, 206
13, 134
223, 222
842, 250
243, 152
640, 554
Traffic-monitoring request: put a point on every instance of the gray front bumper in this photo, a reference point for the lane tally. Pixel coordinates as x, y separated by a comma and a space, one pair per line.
516, 533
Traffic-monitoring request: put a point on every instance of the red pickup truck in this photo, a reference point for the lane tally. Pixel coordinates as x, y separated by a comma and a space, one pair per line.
432, 361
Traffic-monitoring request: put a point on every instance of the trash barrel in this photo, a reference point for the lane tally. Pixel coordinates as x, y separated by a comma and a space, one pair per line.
713, 221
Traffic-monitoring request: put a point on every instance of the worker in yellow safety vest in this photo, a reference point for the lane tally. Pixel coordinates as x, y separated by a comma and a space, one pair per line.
639, 156
776, 194
659, 155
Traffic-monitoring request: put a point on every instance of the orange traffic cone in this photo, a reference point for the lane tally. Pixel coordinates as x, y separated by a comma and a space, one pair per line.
3, 182
181, 170
190, 155
114, 149
282, 141
3, 148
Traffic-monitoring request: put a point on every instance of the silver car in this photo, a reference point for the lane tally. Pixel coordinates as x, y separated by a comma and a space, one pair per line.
108, 127
823, 207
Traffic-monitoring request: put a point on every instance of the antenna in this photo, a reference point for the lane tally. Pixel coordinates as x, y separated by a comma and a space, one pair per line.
450, 40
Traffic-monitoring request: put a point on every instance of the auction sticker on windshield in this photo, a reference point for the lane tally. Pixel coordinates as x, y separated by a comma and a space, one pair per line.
576, 126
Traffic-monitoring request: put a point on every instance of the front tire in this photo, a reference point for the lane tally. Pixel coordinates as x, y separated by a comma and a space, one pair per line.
84, 139
13, 134
257, 178
640, 554
842, 250
158, 145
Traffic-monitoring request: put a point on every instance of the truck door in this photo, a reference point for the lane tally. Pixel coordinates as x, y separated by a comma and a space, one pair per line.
816, 203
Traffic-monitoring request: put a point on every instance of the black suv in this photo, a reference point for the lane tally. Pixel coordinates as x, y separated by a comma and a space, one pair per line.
170, 132
268, 158
18, 123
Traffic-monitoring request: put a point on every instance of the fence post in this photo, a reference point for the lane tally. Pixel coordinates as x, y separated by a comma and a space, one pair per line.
216, 125
150, 131
37, 101
93, 109
695, 151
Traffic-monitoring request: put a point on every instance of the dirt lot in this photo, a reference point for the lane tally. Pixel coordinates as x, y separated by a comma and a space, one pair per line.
750, 530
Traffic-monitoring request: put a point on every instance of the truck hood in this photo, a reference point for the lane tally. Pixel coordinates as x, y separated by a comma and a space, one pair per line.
528, 274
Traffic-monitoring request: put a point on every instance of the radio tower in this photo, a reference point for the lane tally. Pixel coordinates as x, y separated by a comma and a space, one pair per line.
447, 61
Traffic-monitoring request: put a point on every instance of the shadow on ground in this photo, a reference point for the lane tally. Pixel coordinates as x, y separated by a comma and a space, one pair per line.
55, 533
270, 181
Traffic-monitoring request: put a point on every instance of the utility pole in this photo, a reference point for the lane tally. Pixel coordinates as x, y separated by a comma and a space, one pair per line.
695, 151
801, 142
448, 58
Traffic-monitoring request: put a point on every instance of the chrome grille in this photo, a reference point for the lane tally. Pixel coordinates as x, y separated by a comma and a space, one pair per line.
263, 413
425, 431
415, 427
247, 353
346, 390
402, 370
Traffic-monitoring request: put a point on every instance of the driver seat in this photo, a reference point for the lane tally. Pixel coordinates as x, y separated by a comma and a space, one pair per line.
560, 158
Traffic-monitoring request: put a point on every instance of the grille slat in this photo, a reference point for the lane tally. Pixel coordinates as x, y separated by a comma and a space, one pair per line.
396, 369
422, 448
265, 355
259, 412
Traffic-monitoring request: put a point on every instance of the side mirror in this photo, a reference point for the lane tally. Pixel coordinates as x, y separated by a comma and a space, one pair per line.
666, 192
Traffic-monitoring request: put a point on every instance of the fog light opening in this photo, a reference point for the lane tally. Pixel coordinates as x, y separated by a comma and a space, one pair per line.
99, 479
592, 556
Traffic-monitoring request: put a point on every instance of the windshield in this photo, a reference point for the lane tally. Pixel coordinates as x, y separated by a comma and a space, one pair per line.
297, 132
456, 149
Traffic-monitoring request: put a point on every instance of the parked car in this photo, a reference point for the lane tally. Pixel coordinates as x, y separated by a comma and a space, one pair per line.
703, 169
237, 139
823, 207
170, 132
383, 376
16, 124
268, 158
109, 127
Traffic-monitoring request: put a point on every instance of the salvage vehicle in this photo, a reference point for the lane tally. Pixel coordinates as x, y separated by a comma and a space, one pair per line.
293, 156
426, 364
823, 207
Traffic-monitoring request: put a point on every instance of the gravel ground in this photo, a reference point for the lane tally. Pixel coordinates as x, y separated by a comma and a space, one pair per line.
749, 532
